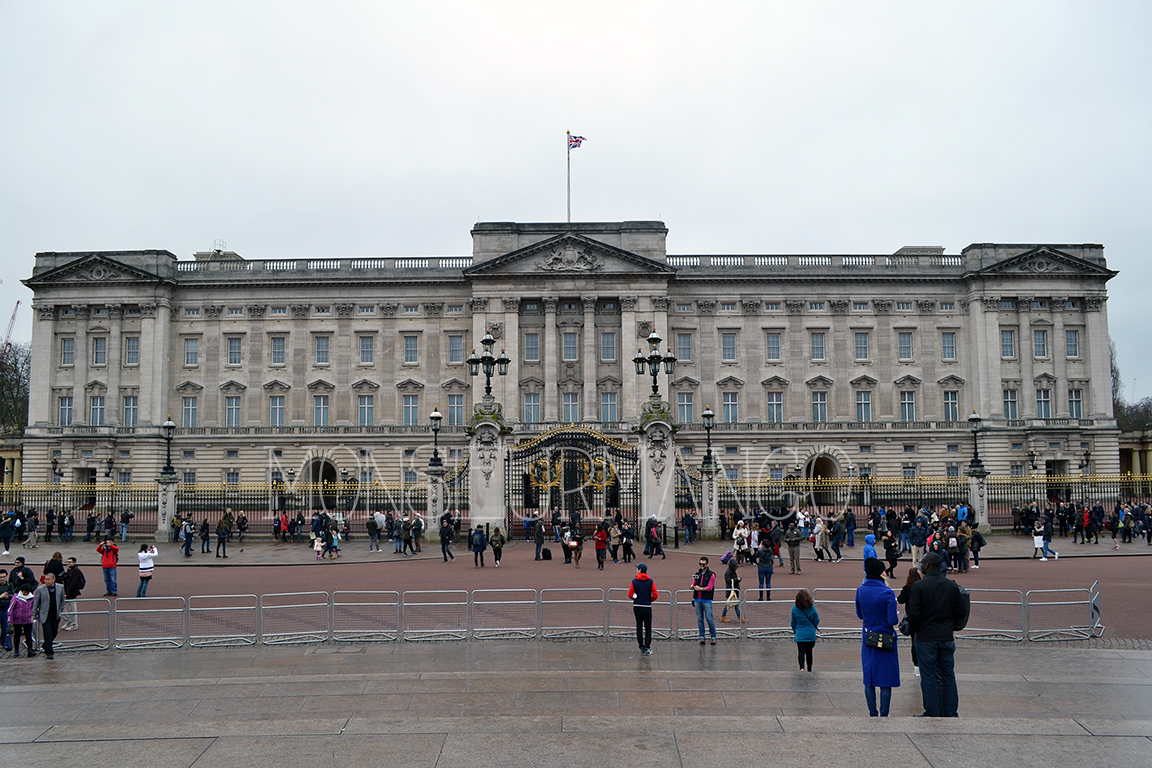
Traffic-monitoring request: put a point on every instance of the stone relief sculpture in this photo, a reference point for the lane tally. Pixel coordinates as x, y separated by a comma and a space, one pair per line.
658, 445
570, 259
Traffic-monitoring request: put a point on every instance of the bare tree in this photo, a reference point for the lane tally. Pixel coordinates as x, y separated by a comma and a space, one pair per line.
15, 375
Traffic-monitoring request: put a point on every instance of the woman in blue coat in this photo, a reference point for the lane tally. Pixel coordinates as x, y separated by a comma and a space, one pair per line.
876, 607
805, 621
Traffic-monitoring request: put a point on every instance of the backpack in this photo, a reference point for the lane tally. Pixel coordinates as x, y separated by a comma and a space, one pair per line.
726, 557
965, 609
953, 544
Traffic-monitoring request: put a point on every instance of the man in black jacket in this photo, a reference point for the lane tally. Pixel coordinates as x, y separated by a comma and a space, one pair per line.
73, 583
935, 610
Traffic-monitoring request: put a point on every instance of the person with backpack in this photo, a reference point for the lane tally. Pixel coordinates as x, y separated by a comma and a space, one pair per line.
763, 559
731, 590
937, 607
497, 543
952, 546
446, 536
478, 543
975, 544
642, 590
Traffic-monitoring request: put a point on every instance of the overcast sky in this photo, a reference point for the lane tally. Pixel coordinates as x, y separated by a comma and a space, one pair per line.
376, 129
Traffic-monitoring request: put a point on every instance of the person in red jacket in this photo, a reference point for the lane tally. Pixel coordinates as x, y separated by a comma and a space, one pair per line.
642, 590
601, 539
109, 556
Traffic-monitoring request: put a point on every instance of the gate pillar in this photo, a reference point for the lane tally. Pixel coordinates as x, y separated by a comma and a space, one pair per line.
657, 470
978, 495
436, 497
486, 476
708, 504
165, 506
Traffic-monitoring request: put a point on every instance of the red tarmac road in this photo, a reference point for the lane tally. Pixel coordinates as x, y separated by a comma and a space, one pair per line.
1124, 580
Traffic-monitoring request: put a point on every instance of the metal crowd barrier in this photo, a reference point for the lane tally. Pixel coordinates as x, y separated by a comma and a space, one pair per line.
685, 616
567, 614
150, 622
93, 619
294, 618
997, 614
434, 615
365, 617
223, 620
505, 614
622, 621
837, 609
770, 619
1056, 614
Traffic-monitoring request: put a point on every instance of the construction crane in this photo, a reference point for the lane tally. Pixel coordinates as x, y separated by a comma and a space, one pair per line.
8, 338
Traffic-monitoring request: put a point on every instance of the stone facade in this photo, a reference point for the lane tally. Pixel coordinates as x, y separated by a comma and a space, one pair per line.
317, 365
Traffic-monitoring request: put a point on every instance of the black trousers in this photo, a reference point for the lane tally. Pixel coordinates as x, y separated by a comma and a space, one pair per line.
643, 625
804, 653
50, 629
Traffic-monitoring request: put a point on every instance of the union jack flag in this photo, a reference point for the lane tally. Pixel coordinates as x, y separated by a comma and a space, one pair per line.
574, 141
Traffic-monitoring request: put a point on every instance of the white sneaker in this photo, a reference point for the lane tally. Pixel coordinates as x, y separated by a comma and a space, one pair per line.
916, 670
977, 568
1043, 559
1057, 554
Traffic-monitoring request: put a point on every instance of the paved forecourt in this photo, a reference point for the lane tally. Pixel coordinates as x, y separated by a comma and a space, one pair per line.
542, 703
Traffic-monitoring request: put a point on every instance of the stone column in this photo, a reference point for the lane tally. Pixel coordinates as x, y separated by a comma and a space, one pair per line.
165, 506
629, 391
550, 350
82, 363
486, 474
113, 407
42, 404
657, 471
589, 405
511, 344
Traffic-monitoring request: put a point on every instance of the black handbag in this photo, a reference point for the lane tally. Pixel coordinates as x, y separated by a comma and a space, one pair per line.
905, 627
880, 641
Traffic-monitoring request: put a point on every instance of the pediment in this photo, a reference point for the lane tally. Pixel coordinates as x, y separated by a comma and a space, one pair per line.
908, 381
93, 268
232, 386
95, 385
864, 382
685, 382
571, 378
188, 386
276, 386
570, 255
730, 381
951, 381
365, 384
410, 384
455, 385
609, 382
819, 381
320, 385
776, 381
1044, 261
1044, 378
531, 381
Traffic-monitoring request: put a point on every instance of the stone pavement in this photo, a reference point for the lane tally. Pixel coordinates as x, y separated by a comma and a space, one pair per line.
571, 704
262, 550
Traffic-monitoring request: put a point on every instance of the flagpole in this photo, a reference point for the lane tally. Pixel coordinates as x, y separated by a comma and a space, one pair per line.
568, 142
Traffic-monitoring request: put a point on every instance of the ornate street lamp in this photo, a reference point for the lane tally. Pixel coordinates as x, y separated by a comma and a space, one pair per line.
108, 464
56, 471
975, 466
709, 419
168, 429
1087, 460
435, 417
488, 362
1032, 459
653, 361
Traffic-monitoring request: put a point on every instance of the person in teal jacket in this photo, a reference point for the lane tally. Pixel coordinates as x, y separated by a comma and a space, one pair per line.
805, 621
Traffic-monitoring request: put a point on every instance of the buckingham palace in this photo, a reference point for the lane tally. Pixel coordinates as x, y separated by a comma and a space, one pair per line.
333, 364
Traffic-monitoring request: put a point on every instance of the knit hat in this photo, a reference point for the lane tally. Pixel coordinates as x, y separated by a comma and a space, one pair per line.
873, 568
642, 567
